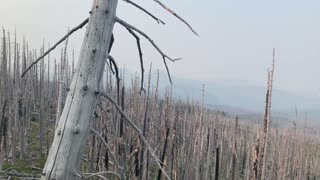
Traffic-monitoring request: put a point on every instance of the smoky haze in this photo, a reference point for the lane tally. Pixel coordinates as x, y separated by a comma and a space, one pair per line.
235, 43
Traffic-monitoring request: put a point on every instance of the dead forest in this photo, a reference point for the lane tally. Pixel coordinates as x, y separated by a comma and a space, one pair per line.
189, 140
139, 132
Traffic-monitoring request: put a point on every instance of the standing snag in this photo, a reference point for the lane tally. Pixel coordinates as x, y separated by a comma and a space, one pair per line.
65, 154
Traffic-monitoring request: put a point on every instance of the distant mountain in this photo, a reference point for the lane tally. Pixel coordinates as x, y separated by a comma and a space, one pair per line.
245, 96
248, 100
243, 99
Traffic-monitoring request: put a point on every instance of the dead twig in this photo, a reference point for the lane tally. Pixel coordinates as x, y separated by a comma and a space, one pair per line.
177, 16
144, 10
55, 45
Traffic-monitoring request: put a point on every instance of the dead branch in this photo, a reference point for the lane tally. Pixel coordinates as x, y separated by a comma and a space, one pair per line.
111, 43
113, 62
110, 47
55, 45
21, 175
90, 175
164, 56
140, 56
177, 16
127, 25
136, 128
109, 149
36, 168
144, 10
167, 68
110, 66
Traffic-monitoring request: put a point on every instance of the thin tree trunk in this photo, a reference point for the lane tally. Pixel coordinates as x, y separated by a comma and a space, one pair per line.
267, 121
61, 82
3, 101
41, 108
234, 153
216, 176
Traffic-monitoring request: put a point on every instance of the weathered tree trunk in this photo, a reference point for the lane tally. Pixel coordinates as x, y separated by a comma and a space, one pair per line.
61, 82
22, 102
3, 100
72, 131
256, 159
41, 103
267, 122
163, 156
14, 121
48, 104
234, 153
143, 167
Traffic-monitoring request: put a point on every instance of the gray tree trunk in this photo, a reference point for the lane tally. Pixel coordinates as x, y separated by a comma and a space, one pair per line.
72, 131
61, 82
3, 100
42, 104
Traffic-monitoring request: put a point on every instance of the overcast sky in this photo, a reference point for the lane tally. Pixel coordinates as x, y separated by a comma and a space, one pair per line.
235, 43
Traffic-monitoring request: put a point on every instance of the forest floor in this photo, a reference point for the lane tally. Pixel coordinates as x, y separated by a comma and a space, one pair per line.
33, 161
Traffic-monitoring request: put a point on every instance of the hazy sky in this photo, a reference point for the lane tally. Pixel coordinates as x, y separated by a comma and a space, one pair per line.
235, 43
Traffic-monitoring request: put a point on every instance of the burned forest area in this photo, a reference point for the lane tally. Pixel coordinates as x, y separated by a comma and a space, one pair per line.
69, 116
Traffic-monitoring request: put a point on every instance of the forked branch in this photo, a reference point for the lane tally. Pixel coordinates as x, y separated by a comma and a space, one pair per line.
131, 123
55, 45
167, 68
127, 25
164, 56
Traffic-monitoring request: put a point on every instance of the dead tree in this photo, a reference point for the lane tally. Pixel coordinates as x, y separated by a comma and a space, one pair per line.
41, 108
234, 151
73, 127
3, 101
267, 120
256, 158
71, 133
61, 81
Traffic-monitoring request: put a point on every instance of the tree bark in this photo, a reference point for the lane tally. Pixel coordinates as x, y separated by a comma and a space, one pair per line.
71, 134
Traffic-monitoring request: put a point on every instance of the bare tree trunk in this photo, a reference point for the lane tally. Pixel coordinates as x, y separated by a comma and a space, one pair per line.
62, 78
216, 176
144, 132
48, 103
71, 134
22, 103
256, 159
267, 121
14, 122
41, 108
3, 101
234, 153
